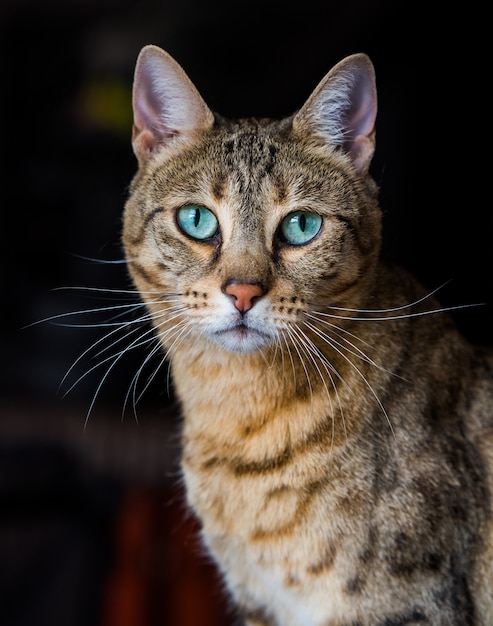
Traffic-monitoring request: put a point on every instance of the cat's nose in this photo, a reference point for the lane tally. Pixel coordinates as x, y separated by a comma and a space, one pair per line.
243, 294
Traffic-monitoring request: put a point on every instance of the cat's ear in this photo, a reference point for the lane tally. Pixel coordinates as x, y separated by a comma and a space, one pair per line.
342, 109
165, 103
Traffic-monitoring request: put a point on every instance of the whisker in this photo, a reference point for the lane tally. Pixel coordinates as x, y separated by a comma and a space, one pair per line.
120, 327
105, 290
352, 349
116, 356
283, 337
396, 317
334, 346
266, 361
133, 385
277, 348
51, 318
311, 351
396, 308
379, 314
134, 382
289, 331
102, 261
355, 351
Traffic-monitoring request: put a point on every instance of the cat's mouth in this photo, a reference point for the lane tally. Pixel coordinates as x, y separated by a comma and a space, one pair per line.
241, 329
242, 338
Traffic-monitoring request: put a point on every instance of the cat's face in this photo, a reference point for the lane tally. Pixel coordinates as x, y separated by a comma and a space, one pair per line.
237, 232
243, 234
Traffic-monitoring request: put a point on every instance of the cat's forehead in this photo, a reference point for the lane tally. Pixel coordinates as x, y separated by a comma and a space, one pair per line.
252, 157
250, 141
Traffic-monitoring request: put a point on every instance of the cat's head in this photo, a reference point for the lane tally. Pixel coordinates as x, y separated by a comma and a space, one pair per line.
237, 231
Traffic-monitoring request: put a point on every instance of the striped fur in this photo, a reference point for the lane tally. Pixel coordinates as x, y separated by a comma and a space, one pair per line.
337, 436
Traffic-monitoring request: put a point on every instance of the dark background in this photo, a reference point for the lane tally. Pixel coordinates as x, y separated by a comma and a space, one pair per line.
91, 527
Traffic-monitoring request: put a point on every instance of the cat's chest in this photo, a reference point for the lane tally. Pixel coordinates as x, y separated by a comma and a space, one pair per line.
286, 517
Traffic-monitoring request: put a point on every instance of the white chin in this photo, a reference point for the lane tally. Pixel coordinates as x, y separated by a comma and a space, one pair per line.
241, 340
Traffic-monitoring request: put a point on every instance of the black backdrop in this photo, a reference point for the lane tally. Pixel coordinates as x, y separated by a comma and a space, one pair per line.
66, 71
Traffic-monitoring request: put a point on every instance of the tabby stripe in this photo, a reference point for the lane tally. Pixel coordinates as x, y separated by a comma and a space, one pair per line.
329, 276
287, 529
143, 273
416, 615
319, 436
241, 468
325, 563
355, 585
344, 288
217, 188
138, 239
354, 232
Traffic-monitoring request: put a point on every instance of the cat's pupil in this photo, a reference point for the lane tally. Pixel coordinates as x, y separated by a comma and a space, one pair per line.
302, 222
197, 218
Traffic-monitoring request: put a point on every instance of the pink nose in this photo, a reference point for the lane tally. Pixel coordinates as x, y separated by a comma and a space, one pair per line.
243, 295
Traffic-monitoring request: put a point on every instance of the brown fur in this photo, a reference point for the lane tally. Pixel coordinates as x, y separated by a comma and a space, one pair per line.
338, 435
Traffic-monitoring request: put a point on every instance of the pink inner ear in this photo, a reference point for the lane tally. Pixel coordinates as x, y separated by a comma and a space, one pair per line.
149, 130
149, 108
361, 116
361, 151
145, 110
359, 122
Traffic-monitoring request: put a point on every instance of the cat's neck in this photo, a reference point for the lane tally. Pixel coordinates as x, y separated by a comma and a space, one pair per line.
236, 399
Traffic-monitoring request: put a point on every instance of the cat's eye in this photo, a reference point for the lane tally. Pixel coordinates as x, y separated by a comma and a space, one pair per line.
300, 227
197, 222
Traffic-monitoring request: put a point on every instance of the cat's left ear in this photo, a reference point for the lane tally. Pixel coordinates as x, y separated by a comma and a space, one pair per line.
342, 109
166, 104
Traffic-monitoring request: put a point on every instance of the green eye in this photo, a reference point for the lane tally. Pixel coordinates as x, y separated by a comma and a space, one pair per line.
300, 227
197, 221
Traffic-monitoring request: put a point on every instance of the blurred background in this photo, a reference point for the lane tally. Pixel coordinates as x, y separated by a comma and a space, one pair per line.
93, 531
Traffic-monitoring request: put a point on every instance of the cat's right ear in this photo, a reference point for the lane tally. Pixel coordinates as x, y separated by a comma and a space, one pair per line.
166, 104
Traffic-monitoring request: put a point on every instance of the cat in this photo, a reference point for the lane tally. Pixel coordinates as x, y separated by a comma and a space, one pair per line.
337, 435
